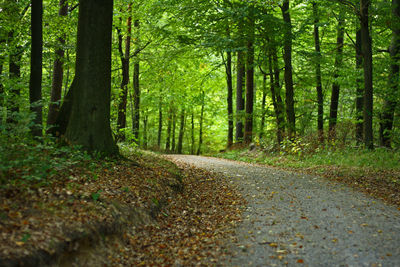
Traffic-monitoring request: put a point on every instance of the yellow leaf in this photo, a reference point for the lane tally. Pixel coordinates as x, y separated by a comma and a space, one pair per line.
19, 243
274, 245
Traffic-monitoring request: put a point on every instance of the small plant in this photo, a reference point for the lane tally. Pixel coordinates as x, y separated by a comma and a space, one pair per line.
96, 196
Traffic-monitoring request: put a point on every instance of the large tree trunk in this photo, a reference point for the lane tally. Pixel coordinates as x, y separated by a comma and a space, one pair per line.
58, 71
239, 96
287, 57
368, 84
181, 132
336, 86
35, 81
318, 78
359, 90
121, 122
228, 70
136, 88
391, 99
248, 127
89, 122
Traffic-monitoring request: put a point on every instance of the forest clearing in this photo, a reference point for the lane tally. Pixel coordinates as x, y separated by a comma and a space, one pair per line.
109, 107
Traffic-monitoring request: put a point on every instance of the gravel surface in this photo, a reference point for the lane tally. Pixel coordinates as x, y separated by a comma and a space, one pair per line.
292, 219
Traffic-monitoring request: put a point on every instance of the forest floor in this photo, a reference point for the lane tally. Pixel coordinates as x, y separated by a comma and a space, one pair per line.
140, 211
293, 219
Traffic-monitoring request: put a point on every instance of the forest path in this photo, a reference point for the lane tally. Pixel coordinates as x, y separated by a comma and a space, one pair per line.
292, 219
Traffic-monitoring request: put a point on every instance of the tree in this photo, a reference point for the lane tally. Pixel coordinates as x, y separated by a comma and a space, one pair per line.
335, 85
287, 47
136, 88
248, 127
366, 44
58, 71
391, 100
35, 81
89, 97
318, 78
228, 69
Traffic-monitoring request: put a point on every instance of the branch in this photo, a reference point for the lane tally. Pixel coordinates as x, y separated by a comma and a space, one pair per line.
137, 51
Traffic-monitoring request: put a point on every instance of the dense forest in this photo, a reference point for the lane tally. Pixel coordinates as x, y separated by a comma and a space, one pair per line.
195, 76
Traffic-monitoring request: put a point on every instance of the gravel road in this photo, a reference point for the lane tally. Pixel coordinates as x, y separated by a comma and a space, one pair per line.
301, 220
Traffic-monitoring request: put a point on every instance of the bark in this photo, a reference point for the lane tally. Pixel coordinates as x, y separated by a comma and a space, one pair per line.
228, 69
192, 135
201, 123
136, 88
58, 72
169, 125
181, 132
391, 100
239, 96
160, 120
287, 47
263, 110
248, 127
145, 123
14, 67
280, 111
367, 64
336, 86
121, 121
359, 90
35, 81
89, 121
173, 132
318, 78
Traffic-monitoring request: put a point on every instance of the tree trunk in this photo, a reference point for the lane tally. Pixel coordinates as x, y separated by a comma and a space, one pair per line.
14, 67
192, 135
173, 132
367, 63
280, 115
145, 122
263, 109
248, 127
58, 71
228, 69
201, 123
160, 121
359, 90
290, 112
169, 124
89, 122
181, 132
136, 88
121, 122
391, 99
320, 96
35, 81
239, 96
336, 86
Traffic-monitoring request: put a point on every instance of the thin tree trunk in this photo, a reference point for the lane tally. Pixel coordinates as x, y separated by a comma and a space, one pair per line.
280, 111
263, 110
248, 127
14, 67
121, 121
287, 47
359, 90
201, 123
391, 100
169, 124
35, 81
320, 96
336, 86
136, 88
181, 132
192, 135
145, 123
228, 69
368, 83
58, 71
239, 96
160, 120
173, 132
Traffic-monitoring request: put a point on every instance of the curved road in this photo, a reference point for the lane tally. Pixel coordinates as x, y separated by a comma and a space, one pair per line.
292, 219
